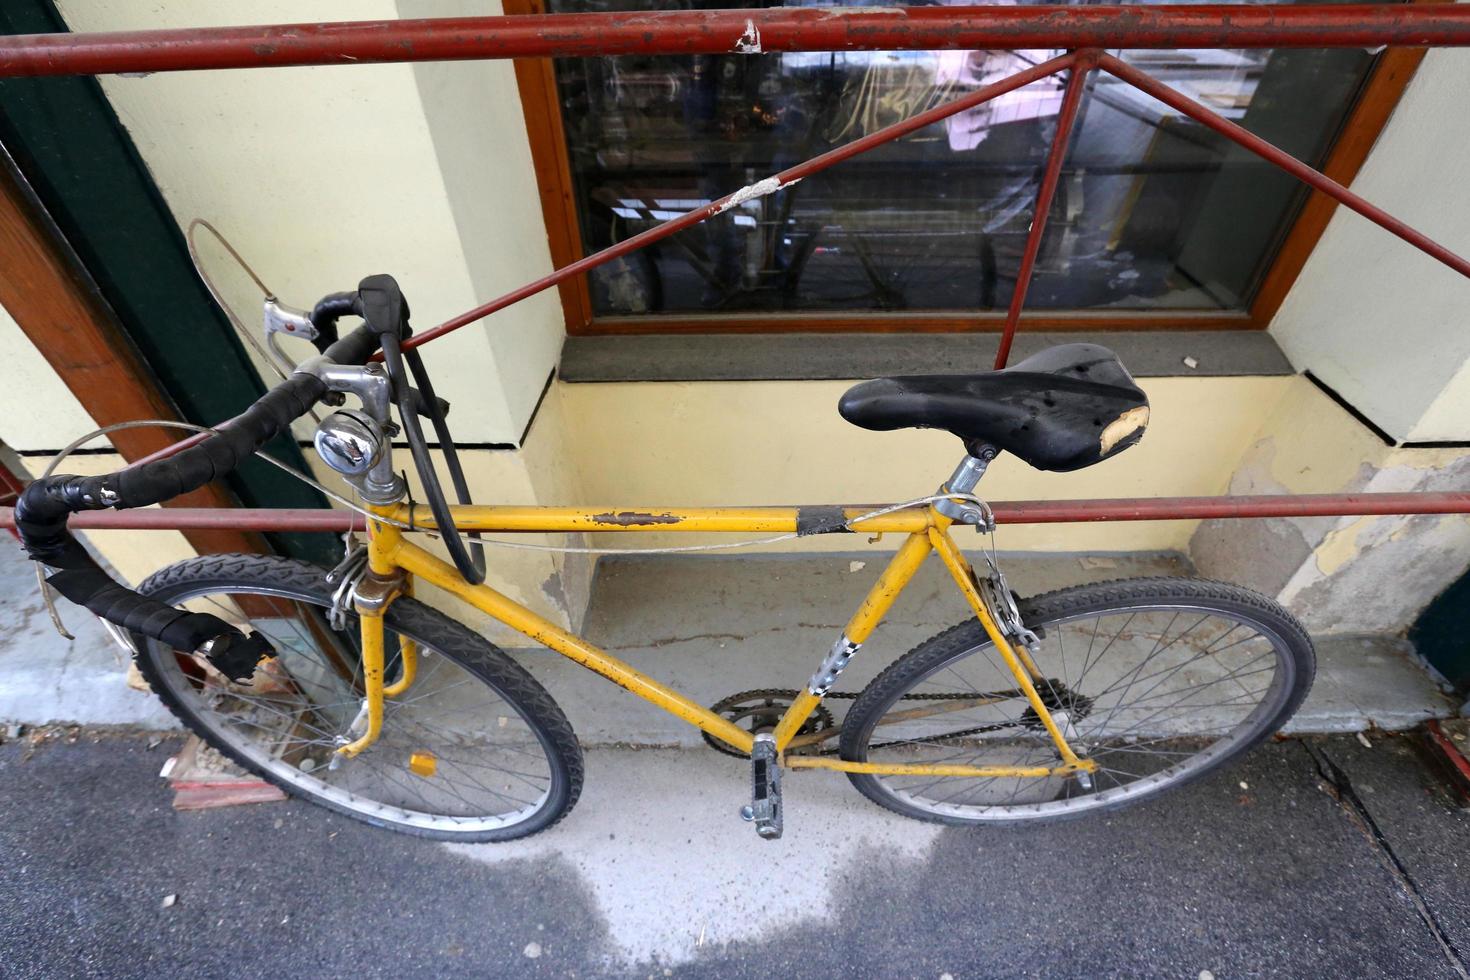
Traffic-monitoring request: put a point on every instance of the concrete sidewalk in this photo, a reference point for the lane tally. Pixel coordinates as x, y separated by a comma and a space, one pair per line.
1315, 856
710, 626
1310, 858
713, 626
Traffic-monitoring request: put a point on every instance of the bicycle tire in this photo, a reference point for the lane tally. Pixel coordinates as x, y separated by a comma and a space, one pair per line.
1050, 614
289, 580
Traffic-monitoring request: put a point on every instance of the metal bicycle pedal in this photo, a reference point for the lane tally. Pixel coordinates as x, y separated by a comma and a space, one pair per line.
764, 809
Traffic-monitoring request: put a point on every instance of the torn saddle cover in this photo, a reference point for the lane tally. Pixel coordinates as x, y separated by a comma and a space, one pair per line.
1064, 408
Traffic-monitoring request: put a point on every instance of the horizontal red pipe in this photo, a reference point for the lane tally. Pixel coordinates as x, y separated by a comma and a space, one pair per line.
1006, 512
740, 31
1206, 508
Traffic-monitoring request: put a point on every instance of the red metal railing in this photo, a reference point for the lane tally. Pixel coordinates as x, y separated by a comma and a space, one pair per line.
1101, 510
1085, 32
743, 32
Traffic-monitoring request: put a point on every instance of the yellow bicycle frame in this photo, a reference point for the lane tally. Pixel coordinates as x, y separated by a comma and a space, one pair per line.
392, 559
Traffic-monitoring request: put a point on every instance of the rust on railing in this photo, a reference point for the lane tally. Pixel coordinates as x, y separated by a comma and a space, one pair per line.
756, 31
1083, 32
1010, 512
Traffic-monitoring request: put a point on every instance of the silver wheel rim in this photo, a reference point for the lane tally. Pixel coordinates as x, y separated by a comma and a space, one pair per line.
1264, 701
527, 790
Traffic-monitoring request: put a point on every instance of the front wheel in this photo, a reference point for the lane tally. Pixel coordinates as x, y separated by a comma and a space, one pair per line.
1158, 681
473, 750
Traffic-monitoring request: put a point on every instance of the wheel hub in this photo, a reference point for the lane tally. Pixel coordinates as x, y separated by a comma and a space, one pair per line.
1058, 697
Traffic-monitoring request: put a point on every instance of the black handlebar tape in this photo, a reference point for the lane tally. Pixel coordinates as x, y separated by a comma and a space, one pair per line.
355, 348
324, 316
42, 511
233, 653
220, 454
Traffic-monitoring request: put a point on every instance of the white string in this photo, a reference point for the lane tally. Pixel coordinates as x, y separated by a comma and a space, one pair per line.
46, 593
47, 598
517, 545
678, 549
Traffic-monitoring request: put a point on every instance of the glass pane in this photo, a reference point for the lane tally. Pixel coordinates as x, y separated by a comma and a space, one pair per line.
1153, 212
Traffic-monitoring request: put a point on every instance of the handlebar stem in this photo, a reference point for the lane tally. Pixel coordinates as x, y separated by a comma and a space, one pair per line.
370, 383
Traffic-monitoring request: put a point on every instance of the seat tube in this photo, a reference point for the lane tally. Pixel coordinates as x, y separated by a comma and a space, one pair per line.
900, 571
965, 479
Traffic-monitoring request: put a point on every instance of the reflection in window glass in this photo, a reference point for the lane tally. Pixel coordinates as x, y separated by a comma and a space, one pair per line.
1153, 212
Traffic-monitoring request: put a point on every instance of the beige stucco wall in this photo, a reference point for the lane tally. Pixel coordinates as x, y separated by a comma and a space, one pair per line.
1377, 320
39, 415
37, 410
321, 176
1340, 575
780, 442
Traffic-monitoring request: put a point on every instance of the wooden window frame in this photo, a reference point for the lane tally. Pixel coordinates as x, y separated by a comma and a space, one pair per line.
540, 103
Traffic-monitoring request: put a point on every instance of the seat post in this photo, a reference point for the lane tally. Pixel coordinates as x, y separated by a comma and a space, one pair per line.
965, 478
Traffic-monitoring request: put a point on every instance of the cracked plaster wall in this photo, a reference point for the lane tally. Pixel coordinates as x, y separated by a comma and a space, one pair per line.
1340, 575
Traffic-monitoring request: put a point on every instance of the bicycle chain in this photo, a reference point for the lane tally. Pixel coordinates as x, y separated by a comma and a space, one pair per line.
853, 695
790, 694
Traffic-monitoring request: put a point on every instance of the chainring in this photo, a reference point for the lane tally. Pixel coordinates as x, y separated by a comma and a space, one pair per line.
761, 711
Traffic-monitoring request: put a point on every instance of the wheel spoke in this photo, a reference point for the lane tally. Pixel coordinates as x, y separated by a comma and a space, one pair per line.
1150, 693
481, 748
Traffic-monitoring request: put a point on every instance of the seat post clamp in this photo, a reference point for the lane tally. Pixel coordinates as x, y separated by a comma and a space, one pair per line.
964, 480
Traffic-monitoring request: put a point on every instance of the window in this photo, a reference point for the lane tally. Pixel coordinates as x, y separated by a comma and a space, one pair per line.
1157, 221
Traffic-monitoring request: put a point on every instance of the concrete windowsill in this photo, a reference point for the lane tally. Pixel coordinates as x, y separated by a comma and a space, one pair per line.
817, 357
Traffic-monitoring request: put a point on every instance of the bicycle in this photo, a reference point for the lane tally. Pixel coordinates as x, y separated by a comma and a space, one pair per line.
340, 687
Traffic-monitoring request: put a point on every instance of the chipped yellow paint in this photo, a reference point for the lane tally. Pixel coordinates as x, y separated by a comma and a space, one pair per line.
750, 520
1340, 546
1308, 444
372, 682
1435, 458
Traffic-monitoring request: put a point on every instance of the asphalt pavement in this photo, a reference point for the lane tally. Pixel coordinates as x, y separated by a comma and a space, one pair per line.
1313, 857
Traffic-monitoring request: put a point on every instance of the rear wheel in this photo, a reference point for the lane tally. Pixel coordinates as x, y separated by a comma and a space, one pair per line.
1158, 681
474, 750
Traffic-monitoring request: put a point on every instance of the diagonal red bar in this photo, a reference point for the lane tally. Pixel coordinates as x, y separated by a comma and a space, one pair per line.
1267, 151
789, 176
1052, 175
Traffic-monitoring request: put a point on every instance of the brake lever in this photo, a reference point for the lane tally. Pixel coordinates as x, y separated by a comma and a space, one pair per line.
282, 319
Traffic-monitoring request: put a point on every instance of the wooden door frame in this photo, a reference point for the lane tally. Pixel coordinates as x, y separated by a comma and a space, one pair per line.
58, 306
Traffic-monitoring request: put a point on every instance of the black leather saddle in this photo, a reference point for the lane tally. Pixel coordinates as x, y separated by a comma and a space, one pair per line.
1065, 408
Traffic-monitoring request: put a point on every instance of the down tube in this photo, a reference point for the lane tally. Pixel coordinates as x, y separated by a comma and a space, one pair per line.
419, 562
